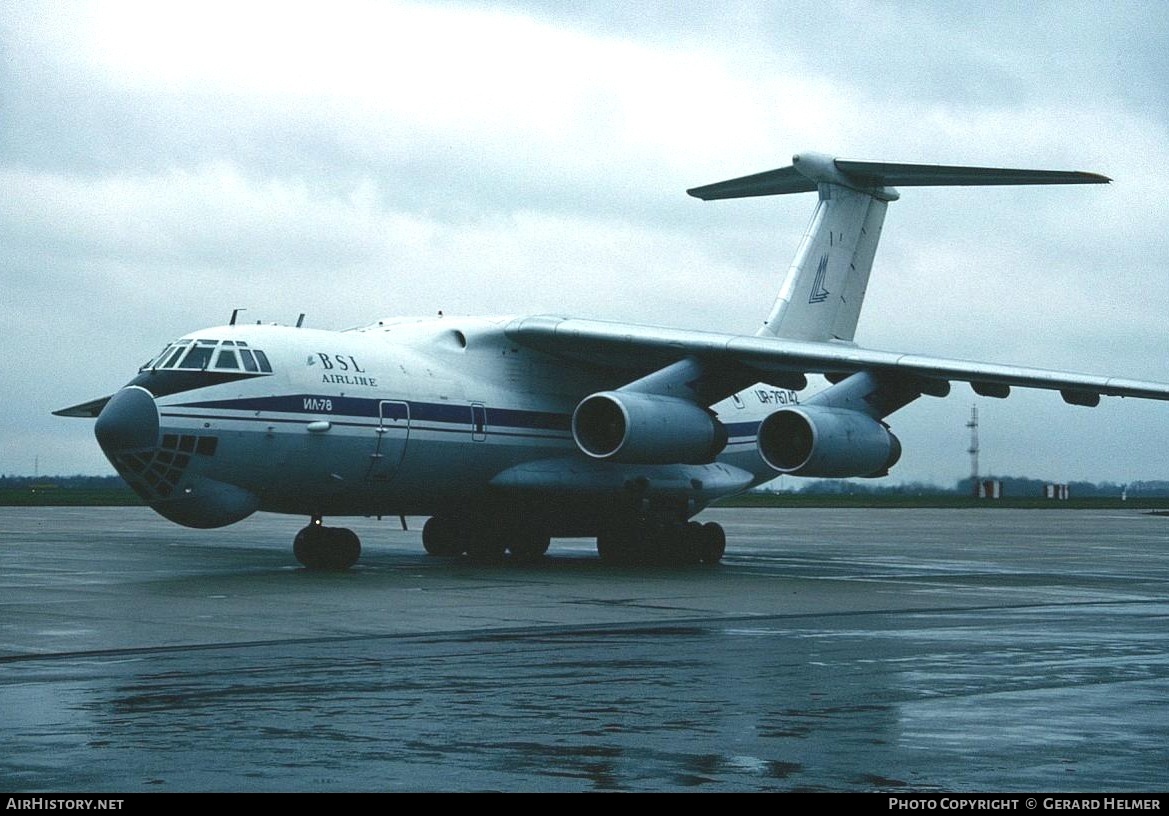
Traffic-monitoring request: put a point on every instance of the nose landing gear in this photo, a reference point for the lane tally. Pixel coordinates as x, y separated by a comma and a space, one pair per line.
326, 548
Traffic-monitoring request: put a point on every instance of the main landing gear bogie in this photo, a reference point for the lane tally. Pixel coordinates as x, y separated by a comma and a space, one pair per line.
645, 541
625, 540
326, 548
628, 541
484, 542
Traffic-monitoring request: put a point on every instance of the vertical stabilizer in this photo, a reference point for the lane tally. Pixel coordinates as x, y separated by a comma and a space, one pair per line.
822, 293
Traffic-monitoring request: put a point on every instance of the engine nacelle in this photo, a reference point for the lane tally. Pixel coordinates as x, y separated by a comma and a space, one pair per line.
813, 440
646, 429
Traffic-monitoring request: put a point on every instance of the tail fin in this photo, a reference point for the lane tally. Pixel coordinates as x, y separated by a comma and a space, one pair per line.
824, 288
822, 293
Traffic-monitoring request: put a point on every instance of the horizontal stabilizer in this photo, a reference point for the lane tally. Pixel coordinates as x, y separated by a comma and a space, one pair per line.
926, 175
773, 182
811, 169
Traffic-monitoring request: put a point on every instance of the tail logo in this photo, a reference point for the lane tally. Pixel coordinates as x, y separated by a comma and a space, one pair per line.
819, 293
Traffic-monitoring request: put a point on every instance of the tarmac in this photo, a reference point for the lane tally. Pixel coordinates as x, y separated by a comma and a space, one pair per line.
833, 650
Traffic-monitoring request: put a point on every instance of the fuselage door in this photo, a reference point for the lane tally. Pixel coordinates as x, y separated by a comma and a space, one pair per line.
392, 432
478, 422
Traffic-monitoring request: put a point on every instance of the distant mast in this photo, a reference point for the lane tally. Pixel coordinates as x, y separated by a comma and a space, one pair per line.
973, 449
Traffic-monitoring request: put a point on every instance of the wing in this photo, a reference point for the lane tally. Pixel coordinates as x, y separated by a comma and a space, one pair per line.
641, 350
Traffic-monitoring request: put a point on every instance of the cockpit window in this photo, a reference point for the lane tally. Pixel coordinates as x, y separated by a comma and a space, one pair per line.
197, 357
173, 359
155, 362
226, 359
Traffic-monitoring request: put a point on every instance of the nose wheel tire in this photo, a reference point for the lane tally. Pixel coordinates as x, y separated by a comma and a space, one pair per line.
326, 548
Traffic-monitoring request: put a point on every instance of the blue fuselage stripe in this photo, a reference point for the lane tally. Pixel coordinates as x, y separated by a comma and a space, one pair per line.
421, 414
309, 405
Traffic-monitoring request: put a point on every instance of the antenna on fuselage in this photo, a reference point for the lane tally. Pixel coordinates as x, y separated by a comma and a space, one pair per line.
300, 320
234, 315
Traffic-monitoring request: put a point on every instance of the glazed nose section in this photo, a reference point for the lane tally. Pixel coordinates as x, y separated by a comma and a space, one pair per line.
128, 423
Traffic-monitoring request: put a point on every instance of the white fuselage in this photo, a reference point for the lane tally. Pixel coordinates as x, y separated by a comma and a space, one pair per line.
399, 417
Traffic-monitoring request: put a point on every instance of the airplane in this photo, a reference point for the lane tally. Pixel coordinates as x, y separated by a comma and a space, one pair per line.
509, 431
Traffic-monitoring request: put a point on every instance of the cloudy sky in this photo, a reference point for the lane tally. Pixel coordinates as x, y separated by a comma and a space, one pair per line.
164, 163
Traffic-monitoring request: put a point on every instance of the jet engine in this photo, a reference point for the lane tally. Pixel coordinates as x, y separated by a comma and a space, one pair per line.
814, 440
646, 429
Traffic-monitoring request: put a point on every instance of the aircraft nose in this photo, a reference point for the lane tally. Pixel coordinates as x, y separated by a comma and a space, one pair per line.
128, 423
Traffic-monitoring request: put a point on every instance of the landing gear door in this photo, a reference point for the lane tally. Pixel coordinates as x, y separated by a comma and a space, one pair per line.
392, 432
